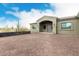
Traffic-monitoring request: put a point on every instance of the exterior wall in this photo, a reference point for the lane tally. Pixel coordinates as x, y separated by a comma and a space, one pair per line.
75, 27
48, 18
56, 25
35, 29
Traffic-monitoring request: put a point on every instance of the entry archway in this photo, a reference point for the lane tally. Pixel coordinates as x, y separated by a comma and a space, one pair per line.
46, 26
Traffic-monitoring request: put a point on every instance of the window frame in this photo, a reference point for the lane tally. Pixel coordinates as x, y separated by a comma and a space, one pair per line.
33, 27
65, 25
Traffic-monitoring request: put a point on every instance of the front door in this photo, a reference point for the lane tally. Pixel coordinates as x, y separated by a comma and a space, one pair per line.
49, 27
46, 26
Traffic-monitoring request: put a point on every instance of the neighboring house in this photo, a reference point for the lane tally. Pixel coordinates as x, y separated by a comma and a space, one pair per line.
66, 25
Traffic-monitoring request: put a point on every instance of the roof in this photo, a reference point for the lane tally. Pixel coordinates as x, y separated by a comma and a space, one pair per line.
68, 18
46, 16
32, 23
60, 19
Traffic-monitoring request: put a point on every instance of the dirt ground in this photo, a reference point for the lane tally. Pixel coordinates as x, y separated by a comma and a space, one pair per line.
40, 44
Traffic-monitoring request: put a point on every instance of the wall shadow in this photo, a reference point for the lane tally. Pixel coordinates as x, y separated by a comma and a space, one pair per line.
5, 34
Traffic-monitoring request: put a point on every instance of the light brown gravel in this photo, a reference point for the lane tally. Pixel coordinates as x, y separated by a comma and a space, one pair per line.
39, 44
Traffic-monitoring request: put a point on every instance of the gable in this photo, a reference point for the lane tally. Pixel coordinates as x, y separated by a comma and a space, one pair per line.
46, 18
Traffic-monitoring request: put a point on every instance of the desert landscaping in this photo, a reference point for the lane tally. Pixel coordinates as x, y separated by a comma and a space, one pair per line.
40, 44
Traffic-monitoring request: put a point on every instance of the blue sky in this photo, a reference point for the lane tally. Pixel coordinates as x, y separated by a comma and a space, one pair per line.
30, 12
19, 7
22, 6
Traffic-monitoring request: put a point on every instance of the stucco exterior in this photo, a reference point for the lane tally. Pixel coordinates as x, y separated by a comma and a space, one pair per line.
73, 30
34, 27
56, 25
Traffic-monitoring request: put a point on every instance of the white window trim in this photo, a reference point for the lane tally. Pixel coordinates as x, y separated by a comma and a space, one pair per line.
67, 29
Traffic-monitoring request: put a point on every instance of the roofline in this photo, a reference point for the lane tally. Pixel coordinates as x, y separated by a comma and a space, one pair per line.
68, 18
32, 23
46, 16
62, 18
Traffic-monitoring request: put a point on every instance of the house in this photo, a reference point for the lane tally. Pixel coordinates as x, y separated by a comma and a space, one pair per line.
64, 25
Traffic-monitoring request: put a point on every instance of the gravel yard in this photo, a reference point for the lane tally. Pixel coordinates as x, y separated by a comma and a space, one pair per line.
39, 44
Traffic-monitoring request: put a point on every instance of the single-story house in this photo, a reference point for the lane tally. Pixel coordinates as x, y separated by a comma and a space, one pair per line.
64, 25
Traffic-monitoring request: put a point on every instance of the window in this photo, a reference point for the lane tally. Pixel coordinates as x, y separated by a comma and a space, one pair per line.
33, 27
66, 25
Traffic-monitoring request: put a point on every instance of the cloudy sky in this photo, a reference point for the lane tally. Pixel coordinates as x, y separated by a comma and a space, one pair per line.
28, 13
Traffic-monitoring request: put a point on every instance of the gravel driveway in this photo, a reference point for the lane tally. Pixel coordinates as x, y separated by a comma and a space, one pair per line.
40, 44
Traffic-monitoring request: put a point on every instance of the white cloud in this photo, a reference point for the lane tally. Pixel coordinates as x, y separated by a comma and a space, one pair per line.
10, 24
6, 23
29, 17
61, 10
66, 9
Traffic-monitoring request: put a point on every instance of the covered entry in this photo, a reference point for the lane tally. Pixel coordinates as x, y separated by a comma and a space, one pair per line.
46, 26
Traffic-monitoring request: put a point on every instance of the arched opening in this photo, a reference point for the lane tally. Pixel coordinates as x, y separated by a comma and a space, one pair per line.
45, 26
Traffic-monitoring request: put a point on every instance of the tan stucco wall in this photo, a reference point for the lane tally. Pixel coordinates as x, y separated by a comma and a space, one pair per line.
74, 30
34, 25
77, 26
57, 25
